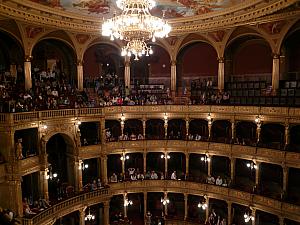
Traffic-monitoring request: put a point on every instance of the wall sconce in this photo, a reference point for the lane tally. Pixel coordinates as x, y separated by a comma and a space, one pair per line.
124, 157
164, 201
82, 166
165, 117
252, 165
89, 216
205, 158
122, 118
257, 119
248, 217
43, 125
127, 202
49, 174
163, 156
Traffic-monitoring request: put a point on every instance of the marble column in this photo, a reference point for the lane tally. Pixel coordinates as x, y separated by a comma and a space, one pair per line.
166, 205
125, 206
173, 77
276, 72
27, 73
221, 73
80, 75
207, 210
44, 192
286, 136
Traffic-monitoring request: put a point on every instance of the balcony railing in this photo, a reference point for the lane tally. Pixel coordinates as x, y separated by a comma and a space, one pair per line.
177, 109
61, 209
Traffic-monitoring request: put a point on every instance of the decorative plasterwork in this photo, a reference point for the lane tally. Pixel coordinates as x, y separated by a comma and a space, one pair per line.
243, 14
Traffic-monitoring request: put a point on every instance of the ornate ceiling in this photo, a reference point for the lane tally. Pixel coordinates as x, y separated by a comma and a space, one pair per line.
185, 16
168, 8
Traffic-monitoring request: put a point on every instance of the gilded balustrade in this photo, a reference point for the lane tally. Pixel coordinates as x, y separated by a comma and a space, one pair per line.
193, 111
259, 202
291, 159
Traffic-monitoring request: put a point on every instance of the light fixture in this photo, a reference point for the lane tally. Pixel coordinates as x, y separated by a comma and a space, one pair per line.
124, 157
257, 119
135, 25
208, 117
202, 205
248, 217
122, 118
164, 201
251, 165
166, 117
127, 202
163, 156
89, 216
205, 158
49, 174
82, 166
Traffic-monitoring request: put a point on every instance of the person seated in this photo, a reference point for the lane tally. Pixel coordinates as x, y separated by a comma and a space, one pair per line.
173, 176
133, 177
125, 137
153, 175
197, 137
99, 185
140, 137
140, 176
44, 203
224, 184
219, 181
114, 178
162, 177
148, 175
210, 180
133, 137
94, 185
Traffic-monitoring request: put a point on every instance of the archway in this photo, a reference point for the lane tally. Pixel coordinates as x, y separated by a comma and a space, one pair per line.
54, 57
197, 72
11, 59
221, 131
272, 136
60, 149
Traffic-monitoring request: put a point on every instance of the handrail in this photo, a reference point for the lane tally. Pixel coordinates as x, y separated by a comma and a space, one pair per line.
75, 203
62, 208
179, 109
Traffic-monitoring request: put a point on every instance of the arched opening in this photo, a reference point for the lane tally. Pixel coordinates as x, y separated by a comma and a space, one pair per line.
272, 136
154, 204
114, 167
266, 218
11, 62
271, 177
176, 163
53, 60
221, 131
176, 206
90, 133
135, 211
155, 129
196, 214
197, 168
238, 213
248, 70
245, 133
198, 129
133, 128
116, 209
293, 192
294, 145
59, 148
134, 165
113, 130
103, 69
26, 142
244, 175
218, 209
155, 163
221, 168
196, 73
176, 129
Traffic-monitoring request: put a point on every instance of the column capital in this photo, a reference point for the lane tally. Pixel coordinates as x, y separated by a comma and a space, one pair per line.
79, 62
221, 59
28, 58
173, 62
276, 56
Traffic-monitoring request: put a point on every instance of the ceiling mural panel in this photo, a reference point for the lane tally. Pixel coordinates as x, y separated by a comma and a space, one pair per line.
166, 8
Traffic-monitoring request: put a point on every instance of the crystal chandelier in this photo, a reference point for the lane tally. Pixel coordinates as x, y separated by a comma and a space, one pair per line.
248, 217
135, 25
89, 216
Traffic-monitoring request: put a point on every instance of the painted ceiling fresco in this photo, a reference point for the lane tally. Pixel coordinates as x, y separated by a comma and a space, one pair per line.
168, 8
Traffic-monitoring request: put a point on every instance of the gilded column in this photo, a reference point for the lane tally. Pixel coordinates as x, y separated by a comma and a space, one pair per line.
106, 212
102, 128
232, 169
27, 72
166, 129
144, 128
257, 174
166, 205
80, 163
104, 169
207, 210
82, 216
127, 72
253, 213
145, 204
286, 135
80, 75
78, 174
122, 127
229, 216
144, 162
221, 74
187, 123
166, 165
258, 130
123, 164
281, 220
209, 167
285, 178
44, 192
125, 205
185, 206
173, 77
233, 133
209, 129
276, 72
187, 157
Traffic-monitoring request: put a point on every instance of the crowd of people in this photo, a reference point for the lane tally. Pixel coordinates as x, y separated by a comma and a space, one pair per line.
215, 219
7, 217
217, 181
53, 90
31, 208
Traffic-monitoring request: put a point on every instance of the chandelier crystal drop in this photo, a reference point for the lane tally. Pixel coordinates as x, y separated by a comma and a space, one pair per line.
135, 25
